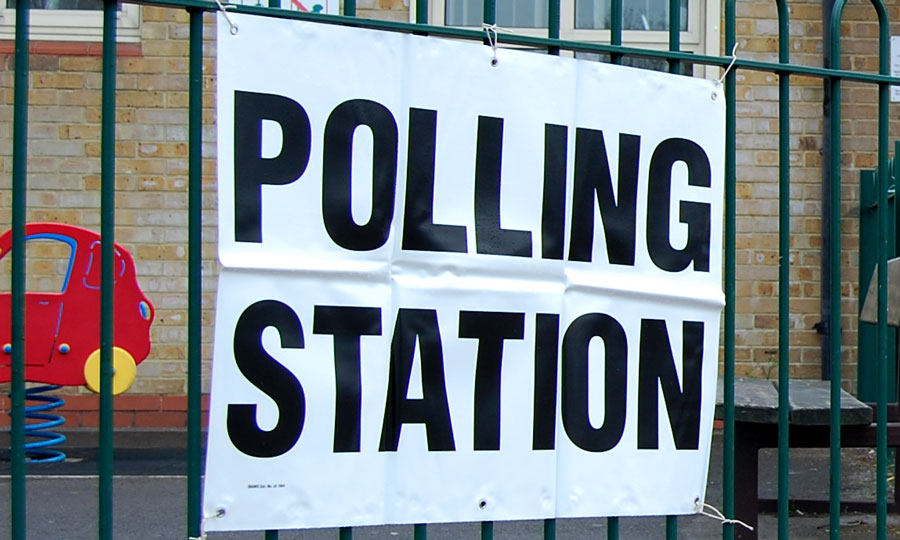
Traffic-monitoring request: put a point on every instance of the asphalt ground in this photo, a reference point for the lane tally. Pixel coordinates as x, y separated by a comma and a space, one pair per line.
150, 486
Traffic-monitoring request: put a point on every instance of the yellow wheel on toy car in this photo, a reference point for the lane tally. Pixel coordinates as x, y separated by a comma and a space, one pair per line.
124, 371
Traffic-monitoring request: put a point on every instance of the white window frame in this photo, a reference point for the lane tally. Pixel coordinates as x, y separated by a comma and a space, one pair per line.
72, 24
701, 37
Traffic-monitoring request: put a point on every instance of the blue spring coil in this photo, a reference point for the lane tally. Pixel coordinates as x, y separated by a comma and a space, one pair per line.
38, 421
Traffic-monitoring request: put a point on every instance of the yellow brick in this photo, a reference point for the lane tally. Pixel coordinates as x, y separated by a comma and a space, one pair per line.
140, 98
57, 80
80, 132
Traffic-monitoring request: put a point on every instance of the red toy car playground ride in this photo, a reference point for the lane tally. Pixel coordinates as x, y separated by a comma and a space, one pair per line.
62, 329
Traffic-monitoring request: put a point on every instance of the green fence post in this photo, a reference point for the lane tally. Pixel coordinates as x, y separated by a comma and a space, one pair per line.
552, 33
674, 34
420, 530
615, 38
671, 528
490, 18
615, 31
346, 533
195, 265
421, 11
784, 266
107, 268
674, 67
487, 530
17, 485
883, 247
730, 221
834, 336
553, 25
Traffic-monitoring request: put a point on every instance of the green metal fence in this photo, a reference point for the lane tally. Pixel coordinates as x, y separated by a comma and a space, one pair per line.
831, 75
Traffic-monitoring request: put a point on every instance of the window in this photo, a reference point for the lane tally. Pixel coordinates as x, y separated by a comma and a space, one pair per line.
48, 264
510, 13
645, 22
640, 15
70, 20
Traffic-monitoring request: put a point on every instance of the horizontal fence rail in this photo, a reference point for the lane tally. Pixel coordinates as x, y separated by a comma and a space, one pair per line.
832, 75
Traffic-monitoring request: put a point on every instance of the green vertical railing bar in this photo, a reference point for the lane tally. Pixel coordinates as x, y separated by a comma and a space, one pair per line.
612, 528
834, 264
271, 535
195, 254
553, 25
674, 34
674, 67
422, 11
107, 251
615, 36
346, 533
489, 17
420, 530
883, 247
487, 530
17, 286
489, 11
730, 221
552, 33
784, 266
549, 529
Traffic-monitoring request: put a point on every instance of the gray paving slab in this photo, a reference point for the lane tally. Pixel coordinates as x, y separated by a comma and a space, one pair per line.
150, 502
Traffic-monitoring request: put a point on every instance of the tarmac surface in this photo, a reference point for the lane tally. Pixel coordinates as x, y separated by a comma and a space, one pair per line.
150, 486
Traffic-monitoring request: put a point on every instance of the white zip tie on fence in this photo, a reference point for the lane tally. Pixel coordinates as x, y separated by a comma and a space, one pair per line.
731, 65
493, 39
717, 515
224, 10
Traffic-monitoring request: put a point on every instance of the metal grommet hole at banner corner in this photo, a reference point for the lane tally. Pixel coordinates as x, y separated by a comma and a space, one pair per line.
220, 512
482, 504
494, 62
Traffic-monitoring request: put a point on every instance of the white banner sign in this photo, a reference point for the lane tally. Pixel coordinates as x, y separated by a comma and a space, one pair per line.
457, 289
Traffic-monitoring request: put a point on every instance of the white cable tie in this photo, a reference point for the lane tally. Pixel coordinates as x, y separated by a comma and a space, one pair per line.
717, 515
731, 65
224, 10
493, 39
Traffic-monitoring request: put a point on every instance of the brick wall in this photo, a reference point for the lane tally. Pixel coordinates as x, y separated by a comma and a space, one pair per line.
151, 183
151, 166
757, 173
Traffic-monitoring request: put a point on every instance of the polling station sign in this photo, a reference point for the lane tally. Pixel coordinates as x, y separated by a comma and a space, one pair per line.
455, 289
